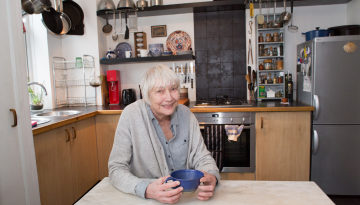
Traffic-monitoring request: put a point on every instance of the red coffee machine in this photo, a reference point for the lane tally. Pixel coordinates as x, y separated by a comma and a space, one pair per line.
113, 80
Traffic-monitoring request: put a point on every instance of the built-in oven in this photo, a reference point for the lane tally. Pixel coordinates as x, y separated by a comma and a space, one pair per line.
230, 156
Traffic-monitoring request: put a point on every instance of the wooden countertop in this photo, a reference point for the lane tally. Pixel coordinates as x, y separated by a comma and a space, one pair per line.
239, 192
270, 106
91, 111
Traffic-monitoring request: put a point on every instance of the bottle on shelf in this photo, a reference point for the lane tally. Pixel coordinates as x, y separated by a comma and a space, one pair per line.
290, 88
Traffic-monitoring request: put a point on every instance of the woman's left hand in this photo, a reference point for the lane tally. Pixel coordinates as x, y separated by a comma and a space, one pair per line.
206, 190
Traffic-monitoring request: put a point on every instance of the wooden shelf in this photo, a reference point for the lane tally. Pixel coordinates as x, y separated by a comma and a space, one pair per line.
146, 59
267, 71
270, 43
225, 5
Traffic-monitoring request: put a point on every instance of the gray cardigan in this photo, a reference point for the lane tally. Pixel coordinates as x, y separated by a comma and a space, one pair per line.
137, 155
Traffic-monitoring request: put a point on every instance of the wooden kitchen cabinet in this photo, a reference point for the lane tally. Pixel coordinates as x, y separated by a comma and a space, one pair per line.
283, 146
105, 131
67, 162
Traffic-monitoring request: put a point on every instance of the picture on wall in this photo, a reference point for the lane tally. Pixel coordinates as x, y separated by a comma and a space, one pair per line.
158, 31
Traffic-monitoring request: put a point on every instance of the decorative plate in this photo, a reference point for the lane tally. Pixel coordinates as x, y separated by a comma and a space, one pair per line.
121, 48
178, 41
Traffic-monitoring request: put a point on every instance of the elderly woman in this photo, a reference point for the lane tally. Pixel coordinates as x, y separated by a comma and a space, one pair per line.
156, 136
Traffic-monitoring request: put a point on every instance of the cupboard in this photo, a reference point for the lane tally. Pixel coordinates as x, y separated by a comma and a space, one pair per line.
283, 146
67, 162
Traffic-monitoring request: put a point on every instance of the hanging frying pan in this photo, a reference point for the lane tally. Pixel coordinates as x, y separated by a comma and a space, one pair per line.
76, 15
52, 21
56, 21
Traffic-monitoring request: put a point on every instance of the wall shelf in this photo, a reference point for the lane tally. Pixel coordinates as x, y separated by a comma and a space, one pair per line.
225, 5
146, 59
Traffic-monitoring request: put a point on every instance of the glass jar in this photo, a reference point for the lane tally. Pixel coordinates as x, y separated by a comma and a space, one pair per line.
276, 37
261, 50
279, 64
261, 66
261, 38
268, 64
268, 37
275, 53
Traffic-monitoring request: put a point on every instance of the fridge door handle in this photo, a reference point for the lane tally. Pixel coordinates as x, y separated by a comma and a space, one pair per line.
317, 107
315, 144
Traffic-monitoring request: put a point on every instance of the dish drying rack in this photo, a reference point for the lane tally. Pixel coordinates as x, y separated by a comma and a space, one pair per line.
71, 81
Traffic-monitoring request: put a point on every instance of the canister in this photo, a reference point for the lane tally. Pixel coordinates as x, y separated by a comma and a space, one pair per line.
268, 37
261, 38
276, 37
279, 64
268, 64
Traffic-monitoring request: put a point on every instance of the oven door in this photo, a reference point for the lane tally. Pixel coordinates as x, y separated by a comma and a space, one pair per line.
230, 156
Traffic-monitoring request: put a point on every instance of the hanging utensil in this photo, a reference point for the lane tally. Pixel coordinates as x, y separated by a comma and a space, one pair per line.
285, 16
115, 35
35, 6
250, 27
275, 23
260, 17
127, 28
251, 7
107, 27
291, 27
250, 55
267, 16
55, 20
66, 22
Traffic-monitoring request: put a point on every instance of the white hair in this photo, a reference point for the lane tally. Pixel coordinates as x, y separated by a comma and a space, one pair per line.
158, 76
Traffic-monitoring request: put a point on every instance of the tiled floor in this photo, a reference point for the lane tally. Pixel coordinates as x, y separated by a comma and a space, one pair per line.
345, 200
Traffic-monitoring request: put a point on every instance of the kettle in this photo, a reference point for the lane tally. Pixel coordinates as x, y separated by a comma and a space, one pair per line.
128, 96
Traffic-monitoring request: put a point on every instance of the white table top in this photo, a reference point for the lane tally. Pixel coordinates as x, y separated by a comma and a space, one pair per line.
227, 192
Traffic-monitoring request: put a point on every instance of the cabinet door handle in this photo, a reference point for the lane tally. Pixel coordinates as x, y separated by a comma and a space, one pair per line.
262, 123
15, 117
67, 135
74, 132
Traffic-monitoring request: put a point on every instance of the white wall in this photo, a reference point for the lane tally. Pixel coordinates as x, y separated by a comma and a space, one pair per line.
353, 14
307, 18
131, 74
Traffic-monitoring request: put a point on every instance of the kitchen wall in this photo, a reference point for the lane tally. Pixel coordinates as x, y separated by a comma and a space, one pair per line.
307, 18
95, 43
353, 14
131, 74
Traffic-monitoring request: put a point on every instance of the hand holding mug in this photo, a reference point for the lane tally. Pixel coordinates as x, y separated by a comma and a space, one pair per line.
207, 188
164, 192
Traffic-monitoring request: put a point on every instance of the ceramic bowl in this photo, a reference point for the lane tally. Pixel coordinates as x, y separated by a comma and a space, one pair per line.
139, 40
139, 35
156, 49
167, 53
139, 45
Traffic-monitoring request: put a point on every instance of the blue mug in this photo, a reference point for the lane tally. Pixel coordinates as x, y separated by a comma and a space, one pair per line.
189, 178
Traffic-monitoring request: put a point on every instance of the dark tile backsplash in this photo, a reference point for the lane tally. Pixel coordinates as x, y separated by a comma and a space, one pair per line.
220, 54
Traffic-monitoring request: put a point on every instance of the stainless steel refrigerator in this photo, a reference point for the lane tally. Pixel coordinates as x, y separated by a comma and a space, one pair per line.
328, 78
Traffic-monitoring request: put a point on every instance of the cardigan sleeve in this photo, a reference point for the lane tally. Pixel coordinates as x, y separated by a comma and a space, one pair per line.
119, 161
199, 157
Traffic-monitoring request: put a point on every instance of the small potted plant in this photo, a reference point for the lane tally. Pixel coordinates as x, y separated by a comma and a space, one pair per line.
36, 99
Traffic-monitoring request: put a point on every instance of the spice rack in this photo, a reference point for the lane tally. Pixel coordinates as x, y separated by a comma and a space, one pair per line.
71, 81
270, 60
139, 42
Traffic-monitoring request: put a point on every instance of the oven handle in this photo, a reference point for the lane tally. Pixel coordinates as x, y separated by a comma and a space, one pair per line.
202, 126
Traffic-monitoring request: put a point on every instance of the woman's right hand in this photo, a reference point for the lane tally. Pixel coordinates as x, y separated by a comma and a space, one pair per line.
163, 192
